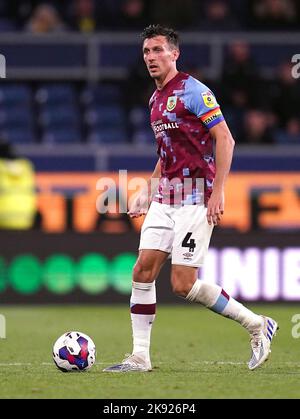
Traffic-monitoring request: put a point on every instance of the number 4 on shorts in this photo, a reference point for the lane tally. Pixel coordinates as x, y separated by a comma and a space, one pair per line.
189, 242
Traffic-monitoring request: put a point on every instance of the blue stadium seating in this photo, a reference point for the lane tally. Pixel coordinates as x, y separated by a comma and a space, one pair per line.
104, 94
139, 117
105, 116
20, 117
55, 94
61, 136
14, 94
16, 118
18, 135
115, 135
143, 136
59, 116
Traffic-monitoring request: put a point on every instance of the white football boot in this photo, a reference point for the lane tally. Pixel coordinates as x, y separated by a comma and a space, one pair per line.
261, 340
133, 362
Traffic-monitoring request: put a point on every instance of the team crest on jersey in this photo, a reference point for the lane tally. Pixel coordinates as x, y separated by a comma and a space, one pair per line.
209, 99
172, 100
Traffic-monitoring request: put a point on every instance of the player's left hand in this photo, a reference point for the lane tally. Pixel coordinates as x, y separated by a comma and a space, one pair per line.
215, 207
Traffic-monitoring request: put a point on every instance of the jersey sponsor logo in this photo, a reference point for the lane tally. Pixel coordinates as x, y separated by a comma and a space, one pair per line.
171, 103
209, 99
163, 127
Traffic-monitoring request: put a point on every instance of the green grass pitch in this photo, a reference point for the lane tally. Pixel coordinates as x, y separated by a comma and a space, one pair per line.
195, 354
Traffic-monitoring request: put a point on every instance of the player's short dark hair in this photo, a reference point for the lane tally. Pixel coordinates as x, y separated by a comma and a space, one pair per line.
158, 30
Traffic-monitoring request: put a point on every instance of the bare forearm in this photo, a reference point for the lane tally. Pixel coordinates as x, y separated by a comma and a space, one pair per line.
224, 151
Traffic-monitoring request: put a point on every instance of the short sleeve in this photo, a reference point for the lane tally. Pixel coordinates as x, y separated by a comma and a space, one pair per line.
203, 103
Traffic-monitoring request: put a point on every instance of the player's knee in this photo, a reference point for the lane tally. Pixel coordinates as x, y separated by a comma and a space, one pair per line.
141, 273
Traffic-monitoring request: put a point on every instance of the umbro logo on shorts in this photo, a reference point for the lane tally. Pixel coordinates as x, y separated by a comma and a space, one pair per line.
188, 255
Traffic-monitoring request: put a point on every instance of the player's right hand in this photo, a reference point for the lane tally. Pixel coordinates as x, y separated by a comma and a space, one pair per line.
138, 205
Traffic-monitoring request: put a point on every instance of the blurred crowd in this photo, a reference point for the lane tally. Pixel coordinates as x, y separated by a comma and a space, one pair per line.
259, 110
96, 15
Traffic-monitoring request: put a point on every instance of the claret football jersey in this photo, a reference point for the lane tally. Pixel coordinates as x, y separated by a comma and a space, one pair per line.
181, 115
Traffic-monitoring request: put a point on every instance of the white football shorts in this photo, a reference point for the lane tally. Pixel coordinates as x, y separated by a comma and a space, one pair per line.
181, 231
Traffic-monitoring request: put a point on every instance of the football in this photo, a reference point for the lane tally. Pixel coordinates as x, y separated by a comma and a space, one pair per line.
74, 351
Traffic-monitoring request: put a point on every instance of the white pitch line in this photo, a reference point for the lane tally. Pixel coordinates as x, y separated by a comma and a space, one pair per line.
15, 364
220, 363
